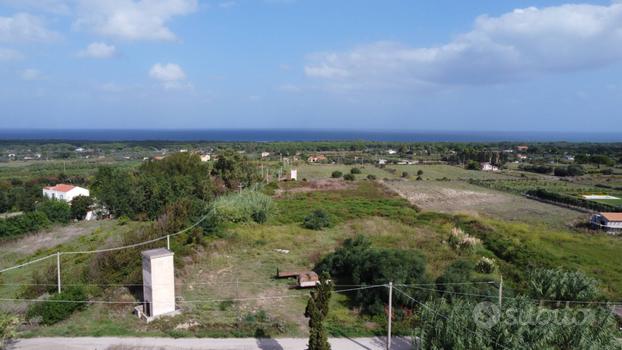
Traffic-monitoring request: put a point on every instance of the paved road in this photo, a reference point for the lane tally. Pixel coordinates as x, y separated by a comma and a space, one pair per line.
200, 344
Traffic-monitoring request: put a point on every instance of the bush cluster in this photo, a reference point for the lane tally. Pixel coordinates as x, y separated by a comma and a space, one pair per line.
52, 312
317, 220
357, 262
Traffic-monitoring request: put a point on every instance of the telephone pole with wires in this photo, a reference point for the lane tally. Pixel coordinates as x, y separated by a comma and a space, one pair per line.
390, 315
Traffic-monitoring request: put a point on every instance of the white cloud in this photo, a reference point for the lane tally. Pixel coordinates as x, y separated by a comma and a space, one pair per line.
170, 75
9, 55
60, 7
25, 27
30, 74
98, 50
516, 45
132, 19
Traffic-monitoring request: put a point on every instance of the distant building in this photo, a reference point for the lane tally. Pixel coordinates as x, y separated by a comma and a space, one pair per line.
64, 192
610, 222
158, 284
265, 154
293, 174
391, 151
521, 156
316, 158
486, 166
205, 157
522, 148
382, 161
569, 158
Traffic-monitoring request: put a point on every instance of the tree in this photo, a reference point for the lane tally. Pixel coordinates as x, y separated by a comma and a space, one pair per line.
316, 311
419, 172
405, 174
336, 174
80, 206
8, 324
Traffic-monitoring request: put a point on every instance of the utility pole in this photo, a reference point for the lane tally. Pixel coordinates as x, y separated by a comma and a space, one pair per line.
501, 293
390, 315
58, 272
168, 242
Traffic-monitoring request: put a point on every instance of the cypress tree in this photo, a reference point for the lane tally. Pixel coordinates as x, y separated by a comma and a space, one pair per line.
316, 311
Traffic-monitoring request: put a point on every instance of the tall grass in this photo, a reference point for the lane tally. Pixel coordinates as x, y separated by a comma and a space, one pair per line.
245, 206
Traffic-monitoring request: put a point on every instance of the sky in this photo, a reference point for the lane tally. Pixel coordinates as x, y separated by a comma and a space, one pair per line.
511, 65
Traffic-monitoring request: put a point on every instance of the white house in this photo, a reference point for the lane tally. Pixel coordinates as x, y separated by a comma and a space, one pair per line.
488, 167
158, 283
391, 151
611, 222
205, 157
265, 154
293, 174
65, 192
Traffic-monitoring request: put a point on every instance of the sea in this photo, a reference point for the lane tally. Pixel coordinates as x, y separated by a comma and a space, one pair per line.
271, 135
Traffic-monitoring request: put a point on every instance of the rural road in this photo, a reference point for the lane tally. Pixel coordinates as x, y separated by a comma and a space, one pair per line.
109, 343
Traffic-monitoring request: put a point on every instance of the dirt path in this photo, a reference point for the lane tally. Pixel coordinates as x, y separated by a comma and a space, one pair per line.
398, 343
51, 237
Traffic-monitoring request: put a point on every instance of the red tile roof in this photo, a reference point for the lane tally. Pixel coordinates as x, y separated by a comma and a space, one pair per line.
61, 188
612, 216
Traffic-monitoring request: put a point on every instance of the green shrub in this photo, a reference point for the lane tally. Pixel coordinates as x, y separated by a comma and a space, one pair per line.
357, 262
56, 211
336, 174
349, 177
419, 172
355, 171
53, 310
472, 165
317, 220
405, 174
371, 177
25, 223
8, 325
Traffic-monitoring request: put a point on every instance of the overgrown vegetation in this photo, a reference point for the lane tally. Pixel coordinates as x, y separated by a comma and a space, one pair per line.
59, 306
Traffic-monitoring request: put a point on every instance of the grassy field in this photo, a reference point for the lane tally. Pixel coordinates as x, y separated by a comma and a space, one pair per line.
324, 171
33, 169
240, 263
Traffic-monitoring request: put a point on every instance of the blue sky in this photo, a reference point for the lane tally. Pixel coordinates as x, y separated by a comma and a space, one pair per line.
360, 64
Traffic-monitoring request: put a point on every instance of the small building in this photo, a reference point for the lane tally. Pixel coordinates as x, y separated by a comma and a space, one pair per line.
486, 166
205, 157
391, 151
64, 192
522, 148
316, 158
265, 154
304, 279
308, 279
293, 175
610, 222
521, 156
382, 161
158, 284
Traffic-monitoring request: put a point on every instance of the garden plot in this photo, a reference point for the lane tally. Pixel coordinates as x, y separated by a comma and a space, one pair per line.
461, 197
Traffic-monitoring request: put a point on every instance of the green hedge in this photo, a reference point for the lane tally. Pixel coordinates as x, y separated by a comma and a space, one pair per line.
28, 222
570, 200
